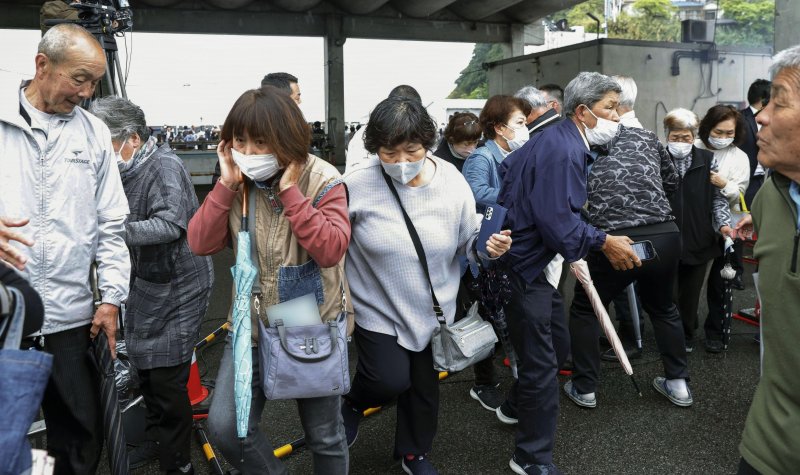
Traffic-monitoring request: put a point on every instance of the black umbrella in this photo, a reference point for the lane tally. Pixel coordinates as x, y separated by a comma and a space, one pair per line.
112, 417
495, 291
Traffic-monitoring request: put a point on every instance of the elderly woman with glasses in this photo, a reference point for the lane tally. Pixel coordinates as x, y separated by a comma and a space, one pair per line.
170, 285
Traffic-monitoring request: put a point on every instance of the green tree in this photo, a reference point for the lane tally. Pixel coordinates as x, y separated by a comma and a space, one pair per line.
652, 20
472, 82
755, 23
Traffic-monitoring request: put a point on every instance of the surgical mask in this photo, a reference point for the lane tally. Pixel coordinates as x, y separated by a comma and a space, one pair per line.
521, 136
602, 133
718, 143
122, 164
403, 172
256, 167
679, 149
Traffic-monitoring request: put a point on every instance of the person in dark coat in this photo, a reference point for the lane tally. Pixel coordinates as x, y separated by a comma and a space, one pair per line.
170, 285
544, 189
701, 213
460, 139
757, 97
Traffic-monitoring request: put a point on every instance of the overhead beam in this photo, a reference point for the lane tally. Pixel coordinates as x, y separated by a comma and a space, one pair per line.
168, 20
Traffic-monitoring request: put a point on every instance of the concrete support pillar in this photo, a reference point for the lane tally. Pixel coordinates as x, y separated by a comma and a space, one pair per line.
787, 17
334, 88
516, 47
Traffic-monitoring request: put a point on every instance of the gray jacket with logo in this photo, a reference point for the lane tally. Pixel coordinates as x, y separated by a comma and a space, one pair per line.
73, 195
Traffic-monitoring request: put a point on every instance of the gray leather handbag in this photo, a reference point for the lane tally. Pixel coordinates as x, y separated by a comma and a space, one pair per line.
465, 342
304, 362
301, 362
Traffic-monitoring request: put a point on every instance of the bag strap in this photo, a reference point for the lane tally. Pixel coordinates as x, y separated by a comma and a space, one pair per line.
250, 191
437, 309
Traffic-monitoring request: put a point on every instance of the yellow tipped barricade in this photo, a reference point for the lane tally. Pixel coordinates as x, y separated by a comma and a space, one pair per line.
287, 449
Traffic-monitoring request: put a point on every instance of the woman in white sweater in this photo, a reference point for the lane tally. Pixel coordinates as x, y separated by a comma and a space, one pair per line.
721, 130
390, 292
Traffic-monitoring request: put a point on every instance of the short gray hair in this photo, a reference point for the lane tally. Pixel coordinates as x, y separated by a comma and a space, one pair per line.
123, 117
532, 96
60, 38
788, 58
587, 89
681, 119
627, 97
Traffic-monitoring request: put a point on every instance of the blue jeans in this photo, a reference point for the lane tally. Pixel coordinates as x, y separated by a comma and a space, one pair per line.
321, 419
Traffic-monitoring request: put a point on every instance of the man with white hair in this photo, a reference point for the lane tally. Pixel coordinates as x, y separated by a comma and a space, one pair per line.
59, 170
542, 111
627, 99
771, 435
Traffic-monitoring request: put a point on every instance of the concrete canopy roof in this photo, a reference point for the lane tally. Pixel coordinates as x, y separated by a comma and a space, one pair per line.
486, 21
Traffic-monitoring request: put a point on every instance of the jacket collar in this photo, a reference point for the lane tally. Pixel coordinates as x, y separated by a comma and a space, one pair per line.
12, 112
550, 116
497, 154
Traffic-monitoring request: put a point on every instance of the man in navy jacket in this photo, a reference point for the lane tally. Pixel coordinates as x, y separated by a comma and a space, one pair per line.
544, 189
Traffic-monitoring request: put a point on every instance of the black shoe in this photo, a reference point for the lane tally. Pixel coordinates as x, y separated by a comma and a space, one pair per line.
142, 455
489, 396
738, 283
610, 355
714, 346
418, 465
351, 417
506, 415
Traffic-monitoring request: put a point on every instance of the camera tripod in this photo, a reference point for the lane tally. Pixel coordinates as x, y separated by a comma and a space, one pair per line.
113, 82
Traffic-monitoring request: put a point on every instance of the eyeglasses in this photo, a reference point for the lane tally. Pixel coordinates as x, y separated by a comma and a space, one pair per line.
79, 83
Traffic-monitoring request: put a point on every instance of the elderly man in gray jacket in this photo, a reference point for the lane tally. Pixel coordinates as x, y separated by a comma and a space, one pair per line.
58, 171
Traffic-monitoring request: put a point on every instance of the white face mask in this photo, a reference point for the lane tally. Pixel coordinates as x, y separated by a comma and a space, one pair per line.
719, 144
403, 172
602, 133
122, 164
521, 136
256, 167
679, 149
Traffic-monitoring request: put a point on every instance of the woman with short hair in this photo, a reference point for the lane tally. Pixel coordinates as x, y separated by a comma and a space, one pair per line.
301, 232
720, 131
460, 139
503, 122
170, 286
701, 213
391, 294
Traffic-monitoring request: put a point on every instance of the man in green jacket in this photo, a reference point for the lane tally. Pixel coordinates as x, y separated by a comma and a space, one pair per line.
771, 438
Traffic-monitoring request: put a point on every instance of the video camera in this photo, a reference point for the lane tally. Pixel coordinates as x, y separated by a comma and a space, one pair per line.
101, 17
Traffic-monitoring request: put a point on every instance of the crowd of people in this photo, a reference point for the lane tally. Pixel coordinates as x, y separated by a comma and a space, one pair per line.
389, 247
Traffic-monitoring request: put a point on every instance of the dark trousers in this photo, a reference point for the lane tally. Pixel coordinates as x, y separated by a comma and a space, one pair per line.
169, 413
687, 296
538, 331
71, 404
622, 309
386, 370
656, 278
715, 296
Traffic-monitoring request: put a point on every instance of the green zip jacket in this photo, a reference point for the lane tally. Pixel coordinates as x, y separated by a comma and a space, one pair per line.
771, 438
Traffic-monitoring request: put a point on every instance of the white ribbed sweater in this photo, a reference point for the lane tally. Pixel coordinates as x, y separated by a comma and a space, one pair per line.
389, 291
